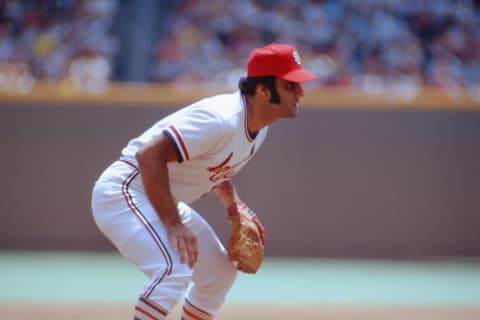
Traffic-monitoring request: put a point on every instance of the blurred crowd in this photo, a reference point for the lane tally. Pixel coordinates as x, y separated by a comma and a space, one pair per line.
371, 44
56, 40
375, 45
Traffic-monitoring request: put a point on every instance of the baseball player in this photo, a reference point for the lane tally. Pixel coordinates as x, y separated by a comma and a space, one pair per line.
141, 201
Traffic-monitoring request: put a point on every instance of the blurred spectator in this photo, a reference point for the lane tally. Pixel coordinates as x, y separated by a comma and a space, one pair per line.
15, 77
383, 47
47, 35
89, 72
377, 45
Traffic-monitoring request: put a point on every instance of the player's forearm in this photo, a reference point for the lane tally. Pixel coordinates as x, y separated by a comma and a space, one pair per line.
154, 173
226, 193
158, 192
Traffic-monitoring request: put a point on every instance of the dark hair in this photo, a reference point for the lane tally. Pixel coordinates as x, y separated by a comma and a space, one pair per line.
248, 86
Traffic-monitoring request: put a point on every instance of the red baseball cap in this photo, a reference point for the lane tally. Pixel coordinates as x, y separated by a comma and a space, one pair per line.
280, 60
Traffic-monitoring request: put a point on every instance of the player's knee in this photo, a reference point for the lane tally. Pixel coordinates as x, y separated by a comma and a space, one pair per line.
228, 276
223, 281
209, 296
167, 291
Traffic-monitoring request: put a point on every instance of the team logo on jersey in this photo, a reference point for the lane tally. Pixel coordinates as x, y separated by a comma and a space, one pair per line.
296, 57
222, 167
224, 170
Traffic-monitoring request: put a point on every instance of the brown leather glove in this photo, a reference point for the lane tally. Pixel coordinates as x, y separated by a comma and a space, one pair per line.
247, 238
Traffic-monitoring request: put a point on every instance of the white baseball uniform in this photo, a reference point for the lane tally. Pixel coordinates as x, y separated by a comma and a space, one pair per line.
213, 144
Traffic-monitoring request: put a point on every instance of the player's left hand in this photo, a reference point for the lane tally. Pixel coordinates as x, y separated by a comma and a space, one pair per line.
247, 239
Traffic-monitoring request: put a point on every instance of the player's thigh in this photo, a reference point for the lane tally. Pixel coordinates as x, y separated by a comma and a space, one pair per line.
212, 264
124, 214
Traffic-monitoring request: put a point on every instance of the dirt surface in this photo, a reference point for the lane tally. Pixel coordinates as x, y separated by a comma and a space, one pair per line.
115, 311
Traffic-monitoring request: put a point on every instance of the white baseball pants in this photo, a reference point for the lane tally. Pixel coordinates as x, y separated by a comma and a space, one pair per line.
123, 213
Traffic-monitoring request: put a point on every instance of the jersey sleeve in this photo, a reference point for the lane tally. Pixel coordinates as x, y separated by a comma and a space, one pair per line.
199, 132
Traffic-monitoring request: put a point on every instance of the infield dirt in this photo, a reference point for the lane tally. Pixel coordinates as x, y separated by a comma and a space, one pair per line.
119, 311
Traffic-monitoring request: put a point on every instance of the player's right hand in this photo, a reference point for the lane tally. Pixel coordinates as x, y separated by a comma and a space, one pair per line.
184, 242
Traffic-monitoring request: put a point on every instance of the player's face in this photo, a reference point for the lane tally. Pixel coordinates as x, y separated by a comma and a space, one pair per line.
290, 94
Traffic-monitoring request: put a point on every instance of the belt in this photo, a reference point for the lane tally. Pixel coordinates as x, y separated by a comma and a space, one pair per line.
128, 162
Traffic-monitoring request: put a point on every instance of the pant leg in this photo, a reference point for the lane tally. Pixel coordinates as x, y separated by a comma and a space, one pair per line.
213, 274
124, 214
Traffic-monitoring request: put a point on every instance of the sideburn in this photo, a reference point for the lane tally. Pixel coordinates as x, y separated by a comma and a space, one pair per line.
274, 96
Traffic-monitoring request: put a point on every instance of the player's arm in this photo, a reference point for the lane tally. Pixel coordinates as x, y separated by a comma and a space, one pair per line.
152, 161
226, 193
247, 234
228, 196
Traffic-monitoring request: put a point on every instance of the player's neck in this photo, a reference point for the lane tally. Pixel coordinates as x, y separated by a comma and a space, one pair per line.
257, 118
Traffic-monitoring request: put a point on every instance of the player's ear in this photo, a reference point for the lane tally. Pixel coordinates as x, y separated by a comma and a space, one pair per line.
263, 91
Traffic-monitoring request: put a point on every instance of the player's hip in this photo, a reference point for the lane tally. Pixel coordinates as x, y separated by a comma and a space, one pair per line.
115, 188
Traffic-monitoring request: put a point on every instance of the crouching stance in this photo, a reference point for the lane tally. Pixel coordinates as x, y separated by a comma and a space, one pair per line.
141, 202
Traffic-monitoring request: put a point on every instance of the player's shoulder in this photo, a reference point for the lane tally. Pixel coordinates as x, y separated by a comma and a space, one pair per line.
226, 105
220, 110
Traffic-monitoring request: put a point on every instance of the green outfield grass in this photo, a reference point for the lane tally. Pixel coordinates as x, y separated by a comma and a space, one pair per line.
79, 276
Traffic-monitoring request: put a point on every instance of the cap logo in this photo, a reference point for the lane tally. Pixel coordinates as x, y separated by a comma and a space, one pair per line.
296, 57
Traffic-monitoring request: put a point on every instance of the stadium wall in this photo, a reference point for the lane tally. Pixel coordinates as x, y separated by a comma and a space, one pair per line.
339, 181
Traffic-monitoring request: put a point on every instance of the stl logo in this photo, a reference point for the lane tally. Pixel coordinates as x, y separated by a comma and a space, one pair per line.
225, 171
222, 167
296, 57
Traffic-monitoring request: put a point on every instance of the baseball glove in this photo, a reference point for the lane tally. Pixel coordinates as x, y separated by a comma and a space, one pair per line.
247, 238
